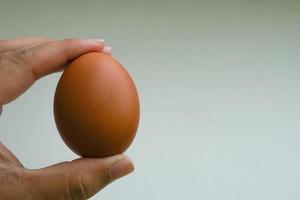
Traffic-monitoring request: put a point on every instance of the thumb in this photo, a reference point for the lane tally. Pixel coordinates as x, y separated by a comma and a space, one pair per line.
81, 178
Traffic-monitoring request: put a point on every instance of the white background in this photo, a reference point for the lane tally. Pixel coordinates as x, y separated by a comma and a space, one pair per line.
219, 87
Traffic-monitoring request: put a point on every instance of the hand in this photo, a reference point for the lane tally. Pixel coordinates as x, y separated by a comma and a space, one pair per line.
22, 62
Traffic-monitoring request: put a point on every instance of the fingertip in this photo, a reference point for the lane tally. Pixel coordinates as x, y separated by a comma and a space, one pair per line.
122, 167
89, 44
107, 50
97, 40
100, 43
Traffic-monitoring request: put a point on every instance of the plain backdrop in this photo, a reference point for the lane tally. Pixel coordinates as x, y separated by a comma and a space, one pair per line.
219, 88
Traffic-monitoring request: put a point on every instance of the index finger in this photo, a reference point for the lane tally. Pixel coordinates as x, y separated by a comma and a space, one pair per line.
50, 57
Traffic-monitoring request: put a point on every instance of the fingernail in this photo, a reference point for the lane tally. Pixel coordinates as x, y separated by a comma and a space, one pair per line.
107, 50
97, 40
121, 168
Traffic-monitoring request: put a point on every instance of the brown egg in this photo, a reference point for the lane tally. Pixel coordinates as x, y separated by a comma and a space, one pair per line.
96, 106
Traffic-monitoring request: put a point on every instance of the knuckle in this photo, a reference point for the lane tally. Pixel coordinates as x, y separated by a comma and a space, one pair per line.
10, 57
22, 55
28, 52
77, 188
16, 57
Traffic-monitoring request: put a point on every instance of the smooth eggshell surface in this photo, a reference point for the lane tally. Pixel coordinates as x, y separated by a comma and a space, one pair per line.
96, 106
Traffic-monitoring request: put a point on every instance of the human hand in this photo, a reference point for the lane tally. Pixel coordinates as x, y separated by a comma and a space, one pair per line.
22, 62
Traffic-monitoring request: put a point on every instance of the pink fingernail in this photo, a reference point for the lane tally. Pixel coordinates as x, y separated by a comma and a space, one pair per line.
97, 40
107, 50
121, 168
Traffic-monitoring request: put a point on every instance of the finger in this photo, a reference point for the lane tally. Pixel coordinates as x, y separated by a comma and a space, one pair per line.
82, 178
50, 57
7, 156
106, 49
12, 44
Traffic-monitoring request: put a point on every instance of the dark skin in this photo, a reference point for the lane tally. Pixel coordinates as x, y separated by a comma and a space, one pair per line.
22, 62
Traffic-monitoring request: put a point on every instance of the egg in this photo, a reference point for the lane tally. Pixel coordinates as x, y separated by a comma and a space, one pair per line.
96, 106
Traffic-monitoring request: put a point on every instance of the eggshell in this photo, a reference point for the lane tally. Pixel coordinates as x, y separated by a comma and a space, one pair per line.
96, 106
